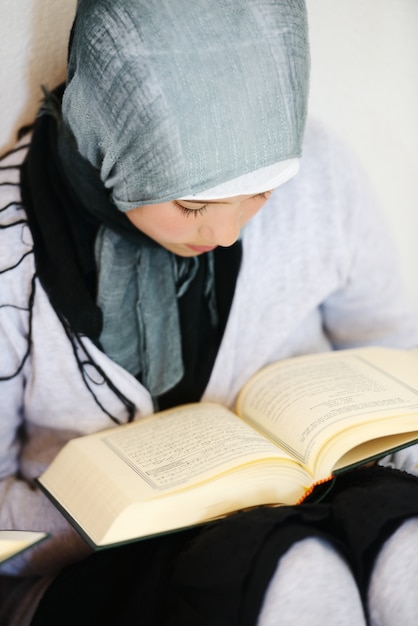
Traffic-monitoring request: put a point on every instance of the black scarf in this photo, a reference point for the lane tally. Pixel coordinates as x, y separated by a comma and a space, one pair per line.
62, 230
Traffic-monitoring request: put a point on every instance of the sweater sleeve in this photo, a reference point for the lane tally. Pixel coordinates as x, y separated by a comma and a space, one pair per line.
22, 505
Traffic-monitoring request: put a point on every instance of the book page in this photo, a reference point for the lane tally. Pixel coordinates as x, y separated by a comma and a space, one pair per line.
188, 444
13, 542
305, 401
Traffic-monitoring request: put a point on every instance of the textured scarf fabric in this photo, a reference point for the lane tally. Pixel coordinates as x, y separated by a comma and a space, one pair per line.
138, 290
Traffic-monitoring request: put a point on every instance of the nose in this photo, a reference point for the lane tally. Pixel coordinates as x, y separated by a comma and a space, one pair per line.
222, 231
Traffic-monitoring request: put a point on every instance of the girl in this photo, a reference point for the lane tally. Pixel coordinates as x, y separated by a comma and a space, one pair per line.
159, 246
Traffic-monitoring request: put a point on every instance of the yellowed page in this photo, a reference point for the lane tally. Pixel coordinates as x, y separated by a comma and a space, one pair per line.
250, 485
97, 476
306, 402
185, 446
14, 541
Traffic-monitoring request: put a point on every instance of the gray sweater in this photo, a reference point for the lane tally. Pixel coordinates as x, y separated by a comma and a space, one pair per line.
319, 272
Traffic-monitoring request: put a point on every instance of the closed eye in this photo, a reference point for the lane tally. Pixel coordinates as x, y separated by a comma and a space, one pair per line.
187, 211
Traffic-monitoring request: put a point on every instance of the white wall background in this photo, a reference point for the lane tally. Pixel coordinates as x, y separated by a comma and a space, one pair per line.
364, 84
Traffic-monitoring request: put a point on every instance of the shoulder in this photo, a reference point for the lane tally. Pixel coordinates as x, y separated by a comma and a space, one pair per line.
330, 161
332, 184
326, 213
328, 186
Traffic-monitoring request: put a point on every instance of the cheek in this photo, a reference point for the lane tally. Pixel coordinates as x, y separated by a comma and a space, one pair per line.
160, 222
173, 227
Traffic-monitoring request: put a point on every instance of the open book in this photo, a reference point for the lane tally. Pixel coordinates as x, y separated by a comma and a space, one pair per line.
13, 542
297, 422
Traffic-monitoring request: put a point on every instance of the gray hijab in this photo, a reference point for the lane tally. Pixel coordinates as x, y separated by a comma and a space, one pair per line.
167, 98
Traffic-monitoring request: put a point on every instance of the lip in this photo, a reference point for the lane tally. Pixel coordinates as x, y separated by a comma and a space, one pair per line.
201, 248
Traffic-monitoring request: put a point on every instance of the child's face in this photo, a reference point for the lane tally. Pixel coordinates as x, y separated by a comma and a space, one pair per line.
189, 228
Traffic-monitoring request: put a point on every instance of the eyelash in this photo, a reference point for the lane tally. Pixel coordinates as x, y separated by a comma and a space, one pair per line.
187, 212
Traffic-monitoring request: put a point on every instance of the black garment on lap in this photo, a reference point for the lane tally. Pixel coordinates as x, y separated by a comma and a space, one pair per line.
217, 574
